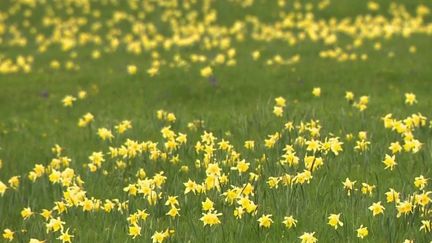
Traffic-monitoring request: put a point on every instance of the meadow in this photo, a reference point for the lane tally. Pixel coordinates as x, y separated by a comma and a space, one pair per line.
215, 121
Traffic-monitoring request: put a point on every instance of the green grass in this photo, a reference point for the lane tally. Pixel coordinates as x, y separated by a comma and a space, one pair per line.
238, 108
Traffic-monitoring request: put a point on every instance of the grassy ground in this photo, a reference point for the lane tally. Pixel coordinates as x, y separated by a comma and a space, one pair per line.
235, 103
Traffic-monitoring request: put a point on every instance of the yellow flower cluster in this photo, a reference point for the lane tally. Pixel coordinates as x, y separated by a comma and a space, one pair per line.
229, 180
189, 177
87, 30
